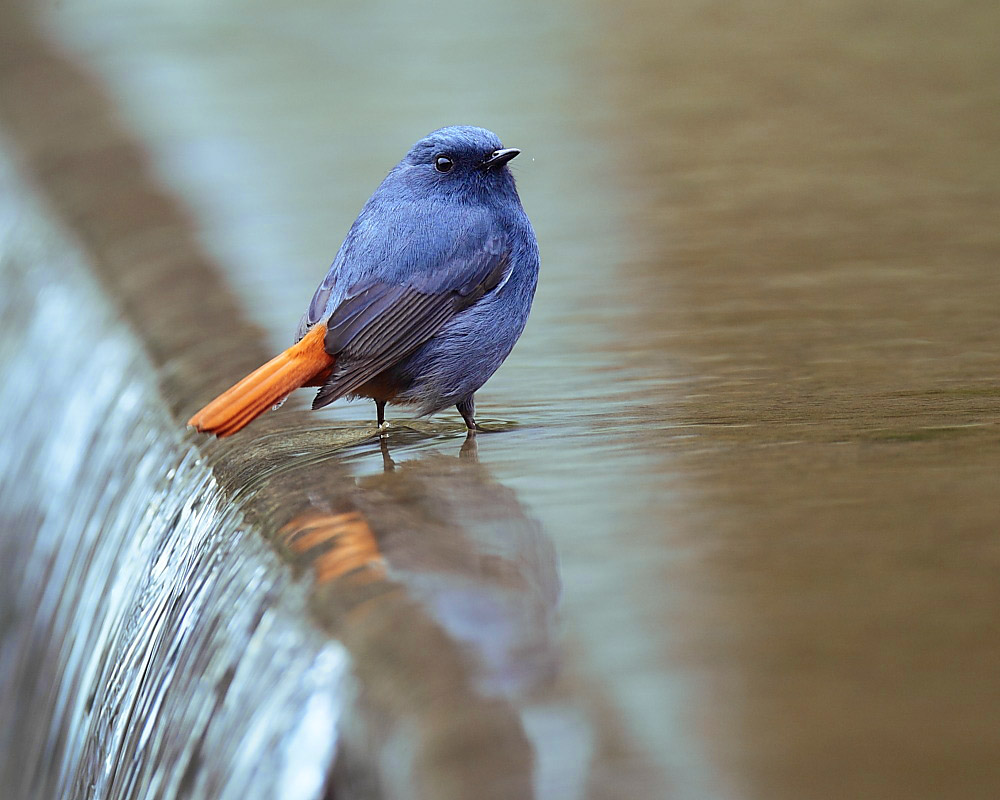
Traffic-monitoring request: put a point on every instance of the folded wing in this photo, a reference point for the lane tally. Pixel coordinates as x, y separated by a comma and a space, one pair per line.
379, 323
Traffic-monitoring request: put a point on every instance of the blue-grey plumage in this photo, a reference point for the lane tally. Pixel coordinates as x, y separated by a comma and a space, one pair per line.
434, 281
425, 299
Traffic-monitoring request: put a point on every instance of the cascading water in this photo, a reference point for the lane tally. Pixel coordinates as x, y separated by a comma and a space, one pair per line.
149, 646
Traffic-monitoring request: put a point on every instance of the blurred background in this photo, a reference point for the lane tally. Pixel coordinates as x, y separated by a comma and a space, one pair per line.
738, 532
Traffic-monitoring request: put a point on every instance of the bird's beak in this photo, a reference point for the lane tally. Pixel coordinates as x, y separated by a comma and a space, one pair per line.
500, 157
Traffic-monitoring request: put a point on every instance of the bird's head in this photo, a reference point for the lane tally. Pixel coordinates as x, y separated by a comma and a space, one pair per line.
460, 160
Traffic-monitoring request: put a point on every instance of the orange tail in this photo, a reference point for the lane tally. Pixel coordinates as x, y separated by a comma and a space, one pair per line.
240, 405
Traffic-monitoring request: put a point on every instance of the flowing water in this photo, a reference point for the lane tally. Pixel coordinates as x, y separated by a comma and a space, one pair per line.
737, 532
134, 603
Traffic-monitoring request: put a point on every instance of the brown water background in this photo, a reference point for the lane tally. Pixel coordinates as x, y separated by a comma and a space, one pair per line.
756, 407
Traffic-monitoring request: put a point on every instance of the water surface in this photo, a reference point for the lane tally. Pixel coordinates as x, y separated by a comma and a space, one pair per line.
754, 417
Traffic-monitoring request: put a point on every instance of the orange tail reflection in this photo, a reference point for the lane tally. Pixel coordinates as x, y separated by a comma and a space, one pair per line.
347, 543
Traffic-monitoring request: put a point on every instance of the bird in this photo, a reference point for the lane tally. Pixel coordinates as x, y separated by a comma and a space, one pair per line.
425, 299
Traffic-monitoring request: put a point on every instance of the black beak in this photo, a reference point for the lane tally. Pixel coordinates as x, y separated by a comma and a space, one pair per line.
500, 157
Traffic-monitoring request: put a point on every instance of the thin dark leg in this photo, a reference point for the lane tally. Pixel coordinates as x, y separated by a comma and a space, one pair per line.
467, 408
380, 412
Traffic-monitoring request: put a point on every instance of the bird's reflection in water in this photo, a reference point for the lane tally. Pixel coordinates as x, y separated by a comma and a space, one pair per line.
444, 590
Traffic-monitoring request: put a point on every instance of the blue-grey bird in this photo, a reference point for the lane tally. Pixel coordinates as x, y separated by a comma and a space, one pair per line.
425, 299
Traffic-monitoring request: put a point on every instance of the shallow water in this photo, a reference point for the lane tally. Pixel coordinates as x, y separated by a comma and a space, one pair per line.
751, 429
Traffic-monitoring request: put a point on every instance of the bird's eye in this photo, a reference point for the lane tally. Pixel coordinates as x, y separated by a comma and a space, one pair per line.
443, 164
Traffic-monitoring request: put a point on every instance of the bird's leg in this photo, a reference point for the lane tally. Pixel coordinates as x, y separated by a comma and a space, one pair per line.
380, 413
467, 408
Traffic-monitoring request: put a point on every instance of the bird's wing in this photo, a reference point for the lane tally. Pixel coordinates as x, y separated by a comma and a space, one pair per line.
317, 306
380, 322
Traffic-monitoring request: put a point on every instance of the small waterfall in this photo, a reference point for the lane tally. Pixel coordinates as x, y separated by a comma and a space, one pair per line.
138, 615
